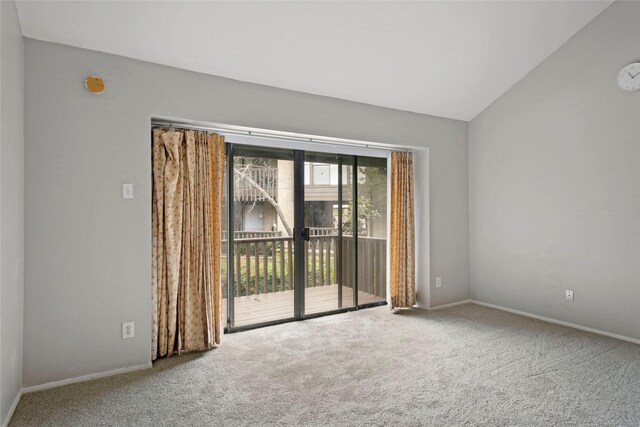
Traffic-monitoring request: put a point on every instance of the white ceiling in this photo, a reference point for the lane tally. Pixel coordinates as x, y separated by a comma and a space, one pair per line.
449, 59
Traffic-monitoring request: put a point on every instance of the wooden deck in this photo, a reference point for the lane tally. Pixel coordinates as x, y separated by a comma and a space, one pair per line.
279, 305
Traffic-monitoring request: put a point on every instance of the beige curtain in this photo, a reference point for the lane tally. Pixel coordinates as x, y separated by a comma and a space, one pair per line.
403, 274
188, 172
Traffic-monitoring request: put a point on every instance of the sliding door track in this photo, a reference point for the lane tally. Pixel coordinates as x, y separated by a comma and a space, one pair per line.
228, 330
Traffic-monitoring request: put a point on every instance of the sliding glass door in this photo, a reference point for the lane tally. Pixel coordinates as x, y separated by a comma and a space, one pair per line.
306, 235
260, 240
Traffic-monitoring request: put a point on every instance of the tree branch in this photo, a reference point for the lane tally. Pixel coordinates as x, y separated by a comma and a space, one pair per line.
267, 197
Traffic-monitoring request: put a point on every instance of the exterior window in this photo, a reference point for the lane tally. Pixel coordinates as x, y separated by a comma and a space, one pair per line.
333, 174
321, 173
325, 174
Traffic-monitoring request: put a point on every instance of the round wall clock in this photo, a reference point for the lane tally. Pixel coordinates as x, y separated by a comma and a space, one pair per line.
629, 77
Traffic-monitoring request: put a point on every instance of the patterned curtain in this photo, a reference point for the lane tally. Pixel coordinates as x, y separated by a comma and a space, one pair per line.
403, 274
188, 172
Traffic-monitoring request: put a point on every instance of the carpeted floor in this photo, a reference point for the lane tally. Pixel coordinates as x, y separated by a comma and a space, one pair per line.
466, 365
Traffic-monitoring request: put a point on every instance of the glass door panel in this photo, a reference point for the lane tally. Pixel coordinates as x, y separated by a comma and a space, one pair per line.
372, 229
263, 242
326, 203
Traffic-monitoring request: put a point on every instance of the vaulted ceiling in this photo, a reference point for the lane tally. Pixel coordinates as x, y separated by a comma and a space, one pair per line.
449, 59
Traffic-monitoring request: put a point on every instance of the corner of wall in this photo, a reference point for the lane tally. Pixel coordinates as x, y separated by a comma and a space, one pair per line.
553, 195
11, 209
470, 201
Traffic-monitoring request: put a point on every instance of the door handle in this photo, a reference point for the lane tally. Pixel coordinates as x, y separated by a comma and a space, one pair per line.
306, 234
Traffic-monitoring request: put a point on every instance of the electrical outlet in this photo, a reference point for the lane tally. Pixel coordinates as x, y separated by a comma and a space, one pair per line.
128, 330
569, 295
438, 282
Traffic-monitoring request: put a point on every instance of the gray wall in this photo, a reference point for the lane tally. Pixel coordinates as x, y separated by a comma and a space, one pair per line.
554, 173
88, 251
11, 205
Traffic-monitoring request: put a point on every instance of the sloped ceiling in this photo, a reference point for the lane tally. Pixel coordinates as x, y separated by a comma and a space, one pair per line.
449, 59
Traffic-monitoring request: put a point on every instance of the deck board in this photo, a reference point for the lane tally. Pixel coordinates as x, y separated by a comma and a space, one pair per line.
279, 305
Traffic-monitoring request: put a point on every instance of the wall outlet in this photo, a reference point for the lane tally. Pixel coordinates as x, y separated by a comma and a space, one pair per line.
569, 295
128, 330
438, 282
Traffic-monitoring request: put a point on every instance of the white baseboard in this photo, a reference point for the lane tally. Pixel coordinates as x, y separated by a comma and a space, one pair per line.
60, 383
558, 322
84, 378
12, 409
452, 304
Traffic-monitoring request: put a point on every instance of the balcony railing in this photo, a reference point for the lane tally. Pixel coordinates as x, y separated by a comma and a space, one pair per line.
265, 265
252, 234
264, 176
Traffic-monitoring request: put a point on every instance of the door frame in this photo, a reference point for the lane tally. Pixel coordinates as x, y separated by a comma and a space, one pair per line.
299, 260
299, 241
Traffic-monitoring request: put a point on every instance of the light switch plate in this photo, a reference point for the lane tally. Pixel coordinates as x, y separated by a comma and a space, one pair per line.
438, 282
128, 330
127, 191
569, 295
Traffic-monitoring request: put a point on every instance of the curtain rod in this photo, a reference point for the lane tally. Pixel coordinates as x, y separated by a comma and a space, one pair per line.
264, 133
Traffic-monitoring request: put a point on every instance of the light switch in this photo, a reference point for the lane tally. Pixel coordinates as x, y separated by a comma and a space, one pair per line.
127, 191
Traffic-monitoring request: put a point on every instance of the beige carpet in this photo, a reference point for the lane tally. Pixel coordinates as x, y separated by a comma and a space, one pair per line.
467, 365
